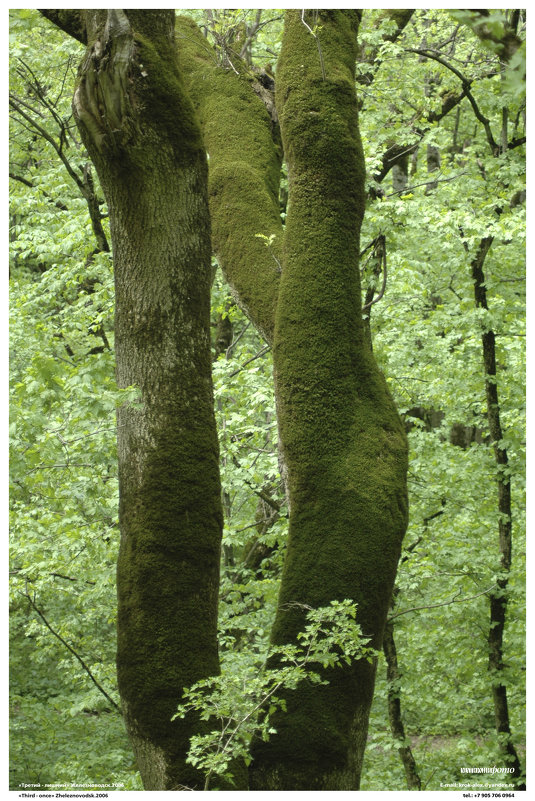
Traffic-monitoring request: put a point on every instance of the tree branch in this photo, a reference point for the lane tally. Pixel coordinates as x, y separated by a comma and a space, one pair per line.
69, 20
84, 184
16, 105
71, 650
401, 16
505, 45
454, 600
466, 88
397, 152
260, 493
30, 184
243, 178
516, 143
261, 352
427, 183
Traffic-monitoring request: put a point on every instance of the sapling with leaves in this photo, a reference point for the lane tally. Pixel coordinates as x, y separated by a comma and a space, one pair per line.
240, 705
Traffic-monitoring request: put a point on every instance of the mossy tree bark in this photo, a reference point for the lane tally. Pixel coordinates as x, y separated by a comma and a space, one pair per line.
242, 139
142, 134
343, 443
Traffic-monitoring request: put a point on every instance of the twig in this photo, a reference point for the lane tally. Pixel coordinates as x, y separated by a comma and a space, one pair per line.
454, 600
430, 777
30, 184
251, 34
427, 183
235, 341
15, 104
72, 651
16, 571
259, 492
261, 352
69, 578
317, 43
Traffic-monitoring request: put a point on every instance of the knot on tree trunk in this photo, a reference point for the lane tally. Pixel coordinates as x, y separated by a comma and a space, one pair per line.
103, 101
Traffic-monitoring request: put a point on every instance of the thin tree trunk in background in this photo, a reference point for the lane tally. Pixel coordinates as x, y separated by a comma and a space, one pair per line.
400, 177
499, 596
393, 677
141, 133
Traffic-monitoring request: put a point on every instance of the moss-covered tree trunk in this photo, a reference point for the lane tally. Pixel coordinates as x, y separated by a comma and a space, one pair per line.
243, 142
343, 443
141, 132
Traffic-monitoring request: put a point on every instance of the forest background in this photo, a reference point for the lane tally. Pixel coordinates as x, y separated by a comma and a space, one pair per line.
442, 115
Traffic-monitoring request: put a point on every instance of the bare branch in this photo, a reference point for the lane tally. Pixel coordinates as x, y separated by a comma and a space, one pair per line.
30, 184
432, 54
427, 183
15, 105
454, 600
315, 36
71, 650
261, 352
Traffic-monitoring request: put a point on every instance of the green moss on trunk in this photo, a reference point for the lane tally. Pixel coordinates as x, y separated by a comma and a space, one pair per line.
152, 167
245, 160
344, 445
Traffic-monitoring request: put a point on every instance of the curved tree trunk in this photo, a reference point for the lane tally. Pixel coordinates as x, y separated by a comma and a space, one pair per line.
243, 143
343, 442
140, 130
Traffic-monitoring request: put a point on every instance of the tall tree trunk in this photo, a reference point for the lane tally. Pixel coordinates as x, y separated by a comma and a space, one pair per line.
499, 596
343, 442
393, 677
141, 132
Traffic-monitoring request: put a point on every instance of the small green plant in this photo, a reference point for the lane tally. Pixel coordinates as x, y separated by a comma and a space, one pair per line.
242, 704
268, 242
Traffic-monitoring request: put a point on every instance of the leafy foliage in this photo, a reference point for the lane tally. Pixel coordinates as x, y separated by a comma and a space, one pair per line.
427, 336
242, 700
